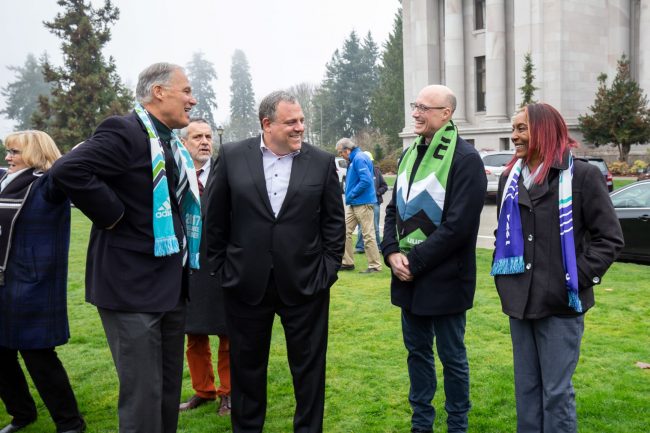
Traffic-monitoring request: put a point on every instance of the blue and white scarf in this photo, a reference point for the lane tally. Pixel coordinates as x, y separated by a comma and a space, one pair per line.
509, 253
165, 240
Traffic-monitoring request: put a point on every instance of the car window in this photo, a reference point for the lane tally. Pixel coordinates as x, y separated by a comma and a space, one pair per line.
633, 197
600, 164
498, 160
342, 163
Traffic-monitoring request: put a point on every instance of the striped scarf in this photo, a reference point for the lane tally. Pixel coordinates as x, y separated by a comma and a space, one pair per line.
420, 204
165, 240
509, 252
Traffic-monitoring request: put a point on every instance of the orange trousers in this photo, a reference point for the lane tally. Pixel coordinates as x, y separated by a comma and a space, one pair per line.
199, 361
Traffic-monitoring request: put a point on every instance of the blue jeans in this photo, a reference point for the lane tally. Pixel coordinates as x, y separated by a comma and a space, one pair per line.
448, 331
359, 245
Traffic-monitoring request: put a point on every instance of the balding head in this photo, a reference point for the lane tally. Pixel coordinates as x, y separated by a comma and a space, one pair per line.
433, 108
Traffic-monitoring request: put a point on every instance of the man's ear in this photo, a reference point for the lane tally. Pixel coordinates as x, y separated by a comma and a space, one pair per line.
158, 91
266, 123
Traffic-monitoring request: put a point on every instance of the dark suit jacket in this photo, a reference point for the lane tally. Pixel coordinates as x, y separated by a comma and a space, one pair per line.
109, 176
444, 265
303, 245
205, 310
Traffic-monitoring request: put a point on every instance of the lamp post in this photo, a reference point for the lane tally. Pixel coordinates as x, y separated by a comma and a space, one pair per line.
220, 132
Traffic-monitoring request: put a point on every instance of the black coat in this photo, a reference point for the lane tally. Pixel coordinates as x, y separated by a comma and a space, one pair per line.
540, 291
109, 178
444, 265
205, 309
303, 245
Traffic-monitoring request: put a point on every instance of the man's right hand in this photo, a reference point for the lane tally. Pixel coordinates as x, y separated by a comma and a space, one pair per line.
399, 264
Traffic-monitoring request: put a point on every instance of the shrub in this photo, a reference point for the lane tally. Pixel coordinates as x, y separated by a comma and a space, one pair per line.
619, 168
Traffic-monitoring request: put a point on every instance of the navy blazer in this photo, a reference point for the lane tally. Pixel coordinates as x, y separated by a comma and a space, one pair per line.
303, 245
33, 301
444, 265
109, 178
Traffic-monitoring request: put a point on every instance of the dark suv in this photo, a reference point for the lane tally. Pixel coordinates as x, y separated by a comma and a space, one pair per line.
602, 166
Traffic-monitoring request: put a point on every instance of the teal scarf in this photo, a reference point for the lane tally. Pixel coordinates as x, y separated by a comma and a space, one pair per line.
420, 206
165, 240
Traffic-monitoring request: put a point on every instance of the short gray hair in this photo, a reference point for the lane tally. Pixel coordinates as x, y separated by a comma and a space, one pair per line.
269, 104
183, 132
451, 100
346, 143
154, 75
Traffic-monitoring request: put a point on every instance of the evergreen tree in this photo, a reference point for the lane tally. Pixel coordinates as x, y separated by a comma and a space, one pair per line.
87, 88
620, 113
22, 95
528, 89
243, 118
387, 104
304, 93
344, 95
201, 74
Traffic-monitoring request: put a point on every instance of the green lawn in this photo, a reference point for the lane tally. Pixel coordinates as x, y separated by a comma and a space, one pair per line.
622, 182
367, 382
390, 179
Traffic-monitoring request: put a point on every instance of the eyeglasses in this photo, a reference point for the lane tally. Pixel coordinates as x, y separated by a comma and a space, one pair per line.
13, 152
423, 108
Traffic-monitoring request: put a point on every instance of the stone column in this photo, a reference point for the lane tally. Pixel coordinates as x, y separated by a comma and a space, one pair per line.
421, 43
495, 61
455, 55
644, 46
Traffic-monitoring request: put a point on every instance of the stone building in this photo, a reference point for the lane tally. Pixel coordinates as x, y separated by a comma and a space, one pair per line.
477, 48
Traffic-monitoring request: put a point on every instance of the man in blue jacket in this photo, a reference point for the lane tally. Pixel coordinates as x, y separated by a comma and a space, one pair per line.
360, 199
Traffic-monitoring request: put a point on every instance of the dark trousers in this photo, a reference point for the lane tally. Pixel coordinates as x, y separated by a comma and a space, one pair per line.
305, 329
147, 350
449, 332
51, 381
546, 352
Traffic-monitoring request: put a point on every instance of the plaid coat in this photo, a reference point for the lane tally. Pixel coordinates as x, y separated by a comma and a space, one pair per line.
33, 305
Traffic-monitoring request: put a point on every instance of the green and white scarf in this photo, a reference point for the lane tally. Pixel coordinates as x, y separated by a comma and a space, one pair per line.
419, 208
165, 240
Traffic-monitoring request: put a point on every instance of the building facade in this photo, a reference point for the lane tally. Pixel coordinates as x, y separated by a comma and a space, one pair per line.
477, 48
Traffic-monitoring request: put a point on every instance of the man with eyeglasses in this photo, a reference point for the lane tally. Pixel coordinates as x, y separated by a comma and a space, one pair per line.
429, 243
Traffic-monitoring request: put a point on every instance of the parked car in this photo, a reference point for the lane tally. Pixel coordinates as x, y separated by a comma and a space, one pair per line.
602, 166
495, 163
645, 174
632, 204
341, 170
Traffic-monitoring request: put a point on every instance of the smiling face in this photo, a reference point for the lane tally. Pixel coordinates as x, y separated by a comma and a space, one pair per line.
199, 142
432, 110
283, 135
14, 158
172, 102
520, 134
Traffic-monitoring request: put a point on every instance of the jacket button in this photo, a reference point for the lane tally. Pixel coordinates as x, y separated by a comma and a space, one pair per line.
528, 266
530, 238
595, 280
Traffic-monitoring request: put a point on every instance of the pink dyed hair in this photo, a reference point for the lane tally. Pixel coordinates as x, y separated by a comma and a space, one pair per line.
548, 137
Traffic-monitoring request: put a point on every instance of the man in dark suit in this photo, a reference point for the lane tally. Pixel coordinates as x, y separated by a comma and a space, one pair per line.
205, 313
429, 243
139, 291
276, 233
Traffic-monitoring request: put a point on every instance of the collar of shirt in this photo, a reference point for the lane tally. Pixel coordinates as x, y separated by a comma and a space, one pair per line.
265, 148
11, 176
206, 171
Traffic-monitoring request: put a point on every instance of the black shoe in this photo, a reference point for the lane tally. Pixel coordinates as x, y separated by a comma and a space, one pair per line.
359, 251
369, 271
11, 428
342, 268
419, 430
80, 429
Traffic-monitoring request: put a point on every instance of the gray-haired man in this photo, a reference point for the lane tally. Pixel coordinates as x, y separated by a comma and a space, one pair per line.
138, 288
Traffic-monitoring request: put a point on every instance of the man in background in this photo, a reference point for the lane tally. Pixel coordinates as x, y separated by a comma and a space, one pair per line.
205, 312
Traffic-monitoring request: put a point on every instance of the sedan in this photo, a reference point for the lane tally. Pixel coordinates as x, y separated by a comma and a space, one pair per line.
495, 163
632, 205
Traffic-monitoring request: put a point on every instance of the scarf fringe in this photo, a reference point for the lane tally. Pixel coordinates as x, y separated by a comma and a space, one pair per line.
508, 266
166, 246
574, 302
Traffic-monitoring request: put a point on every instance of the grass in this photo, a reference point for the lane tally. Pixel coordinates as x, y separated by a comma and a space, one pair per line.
367, 382
390, 179
618, 183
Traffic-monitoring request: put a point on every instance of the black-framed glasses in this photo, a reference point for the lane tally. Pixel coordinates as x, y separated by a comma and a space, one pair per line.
13, 152
423, 108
